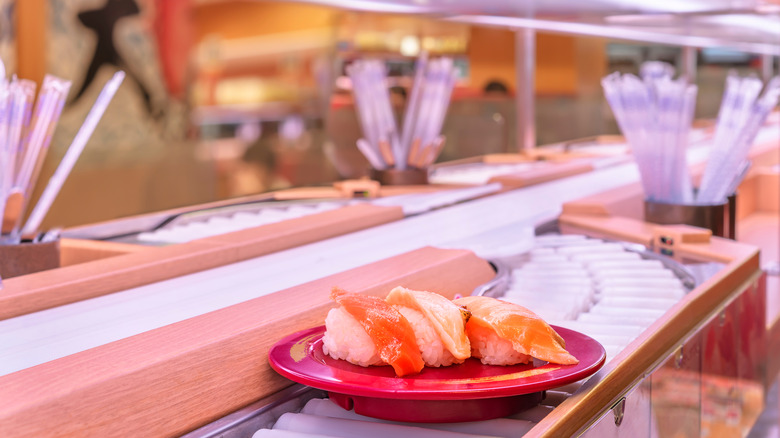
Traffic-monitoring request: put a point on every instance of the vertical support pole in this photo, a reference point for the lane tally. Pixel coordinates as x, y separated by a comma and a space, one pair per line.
689, 63
525, 68
767, 67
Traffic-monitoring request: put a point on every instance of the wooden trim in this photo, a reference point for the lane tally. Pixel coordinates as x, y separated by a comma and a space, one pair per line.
543, 174
620, 228
625, 201
768, 191
43, 290
174, 379
75, 251
773, 345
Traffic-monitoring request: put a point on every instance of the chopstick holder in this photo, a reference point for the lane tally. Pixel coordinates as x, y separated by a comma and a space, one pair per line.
402, 158
28, 258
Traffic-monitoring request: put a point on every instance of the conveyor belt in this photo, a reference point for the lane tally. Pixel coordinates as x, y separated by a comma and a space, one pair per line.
43, 336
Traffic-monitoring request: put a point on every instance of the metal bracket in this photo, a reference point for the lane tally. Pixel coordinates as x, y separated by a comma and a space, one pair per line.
619, 410
678, 358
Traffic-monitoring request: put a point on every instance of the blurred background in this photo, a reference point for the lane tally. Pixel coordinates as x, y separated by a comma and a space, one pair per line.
229, 98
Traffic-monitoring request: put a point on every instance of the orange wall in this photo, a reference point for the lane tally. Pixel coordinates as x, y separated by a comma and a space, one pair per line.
491, 55
558, 66
240, 19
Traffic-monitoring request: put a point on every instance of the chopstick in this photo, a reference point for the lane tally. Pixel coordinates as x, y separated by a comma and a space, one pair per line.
655, 114
26, 128
51, 101
740, 117
72, 154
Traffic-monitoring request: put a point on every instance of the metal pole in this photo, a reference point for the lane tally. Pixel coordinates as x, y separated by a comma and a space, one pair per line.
525, 68
767, 67
689, 63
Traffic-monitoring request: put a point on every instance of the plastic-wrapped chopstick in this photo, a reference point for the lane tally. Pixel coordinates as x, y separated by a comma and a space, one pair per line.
741, 115
412, 104
385, 109
652, 70
72, 154
54, 92
655, 114
22, 94
683, 176
366, 116
727, 170
445, 81
373, 156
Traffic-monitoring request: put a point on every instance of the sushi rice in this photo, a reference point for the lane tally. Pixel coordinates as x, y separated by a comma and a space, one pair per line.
432, 348
346, 339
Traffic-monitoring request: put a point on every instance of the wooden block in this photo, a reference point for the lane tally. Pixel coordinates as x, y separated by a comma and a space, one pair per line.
171, 380
616, 228
768, 191
681, 234
624, 201
307, 193
506, 158
358, 188
669, 239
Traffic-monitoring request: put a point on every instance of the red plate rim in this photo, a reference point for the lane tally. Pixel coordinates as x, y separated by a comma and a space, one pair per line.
299, 357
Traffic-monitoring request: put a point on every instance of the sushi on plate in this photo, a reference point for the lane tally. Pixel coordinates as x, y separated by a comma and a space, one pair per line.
503, 333
365, 330
439, 325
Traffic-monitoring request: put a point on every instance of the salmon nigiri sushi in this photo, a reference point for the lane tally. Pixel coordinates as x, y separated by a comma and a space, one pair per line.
503, 333
439, 325
365, 330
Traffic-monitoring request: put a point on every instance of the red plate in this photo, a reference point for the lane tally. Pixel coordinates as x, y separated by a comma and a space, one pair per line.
469, 391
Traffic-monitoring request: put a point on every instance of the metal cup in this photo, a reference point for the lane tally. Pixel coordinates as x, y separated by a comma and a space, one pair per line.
718, 218
395, 177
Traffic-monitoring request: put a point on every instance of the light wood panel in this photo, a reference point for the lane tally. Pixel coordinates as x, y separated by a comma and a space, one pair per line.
30, 293
624, 202
173, 379
620, 228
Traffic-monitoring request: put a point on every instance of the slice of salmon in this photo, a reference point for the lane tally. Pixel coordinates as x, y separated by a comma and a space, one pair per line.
528, 333
391, 333
446, 317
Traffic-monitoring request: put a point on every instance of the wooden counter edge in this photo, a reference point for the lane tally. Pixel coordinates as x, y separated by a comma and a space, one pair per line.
43, 290
76, 251
178, 377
